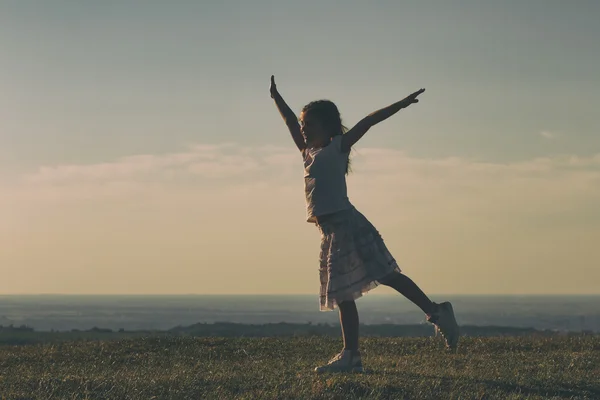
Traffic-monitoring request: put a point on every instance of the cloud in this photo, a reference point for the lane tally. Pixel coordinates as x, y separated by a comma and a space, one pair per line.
233, 206
207, 161
382, 170
548, 134
264, 177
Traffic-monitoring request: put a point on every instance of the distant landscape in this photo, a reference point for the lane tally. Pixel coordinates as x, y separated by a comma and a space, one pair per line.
141, 347
135, 313
46, 319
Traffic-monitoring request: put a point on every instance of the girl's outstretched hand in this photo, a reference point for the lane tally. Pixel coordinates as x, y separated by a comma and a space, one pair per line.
411, 99
273, 88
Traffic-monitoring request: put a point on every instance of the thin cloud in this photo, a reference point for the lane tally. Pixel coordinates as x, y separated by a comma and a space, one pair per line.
384, 176
548, 135
260, 163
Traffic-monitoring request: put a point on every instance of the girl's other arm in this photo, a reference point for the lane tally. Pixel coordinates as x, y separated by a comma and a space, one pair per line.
288, 116
358, 130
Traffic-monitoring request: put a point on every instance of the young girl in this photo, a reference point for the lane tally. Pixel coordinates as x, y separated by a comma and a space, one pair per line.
353, 257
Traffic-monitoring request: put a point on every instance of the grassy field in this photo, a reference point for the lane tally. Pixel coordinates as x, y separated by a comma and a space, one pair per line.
282, 368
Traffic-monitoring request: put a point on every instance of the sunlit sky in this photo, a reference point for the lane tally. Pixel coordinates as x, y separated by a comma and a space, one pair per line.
140, 151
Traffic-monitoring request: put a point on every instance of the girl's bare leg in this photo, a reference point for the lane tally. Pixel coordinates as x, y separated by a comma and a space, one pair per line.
349, 322
405, 286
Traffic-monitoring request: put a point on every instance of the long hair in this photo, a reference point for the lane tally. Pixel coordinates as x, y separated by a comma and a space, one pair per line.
328, 115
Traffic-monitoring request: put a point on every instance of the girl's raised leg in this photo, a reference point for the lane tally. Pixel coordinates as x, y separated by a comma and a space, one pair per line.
406, 287
441, 315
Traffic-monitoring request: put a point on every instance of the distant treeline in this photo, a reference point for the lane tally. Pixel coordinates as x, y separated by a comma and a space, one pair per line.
26, 335
227, 329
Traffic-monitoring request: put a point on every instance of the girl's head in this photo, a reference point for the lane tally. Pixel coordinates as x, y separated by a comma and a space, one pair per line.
320, 121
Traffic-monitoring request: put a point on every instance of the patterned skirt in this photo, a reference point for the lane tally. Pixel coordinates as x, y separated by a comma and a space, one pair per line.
353, 258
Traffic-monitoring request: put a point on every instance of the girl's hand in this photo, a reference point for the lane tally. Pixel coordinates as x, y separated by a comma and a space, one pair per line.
411, 99
273, 88
354, 134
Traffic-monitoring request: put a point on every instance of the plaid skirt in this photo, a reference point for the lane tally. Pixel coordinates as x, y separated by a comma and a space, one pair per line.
353, 258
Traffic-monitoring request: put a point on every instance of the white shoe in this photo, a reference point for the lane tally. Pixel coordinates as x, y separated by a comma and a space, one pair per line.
346, 361
445, 323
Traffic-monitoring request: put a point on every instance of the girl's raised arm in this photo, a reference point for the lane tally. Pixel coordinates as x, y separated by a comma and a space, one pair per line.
358, 130
288, 116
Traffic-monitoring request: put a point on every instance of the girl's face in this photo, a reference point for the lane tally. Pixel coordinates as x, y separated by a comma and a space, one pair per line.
315, 135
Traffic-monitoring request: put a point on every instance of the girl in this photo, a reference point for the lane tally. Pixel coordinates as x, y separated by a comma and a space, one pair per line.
353, 257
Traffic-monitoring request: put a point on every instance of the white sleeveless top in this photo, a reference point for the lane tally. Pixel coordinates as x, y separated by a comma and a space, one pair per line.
325, 180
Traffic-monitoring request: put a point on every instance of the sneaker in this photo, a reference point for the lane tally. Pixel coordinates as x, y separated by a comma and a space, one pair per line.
445, 323
346, 361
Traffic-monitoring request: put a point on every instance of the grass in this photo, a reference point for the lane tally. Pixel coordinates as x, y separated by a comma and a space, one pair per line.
282, 368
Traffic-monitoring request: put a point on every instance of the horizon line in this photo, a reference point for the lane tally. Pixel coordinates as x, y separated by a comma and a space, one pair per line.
296, 294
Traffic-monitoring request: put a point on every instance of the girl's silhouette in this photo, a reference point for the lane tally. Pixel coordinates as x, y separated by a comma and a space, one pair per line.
353, 257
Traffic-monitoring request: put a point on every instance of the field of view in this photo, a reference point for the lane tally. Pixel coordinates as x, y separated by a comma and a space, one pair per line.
299, 200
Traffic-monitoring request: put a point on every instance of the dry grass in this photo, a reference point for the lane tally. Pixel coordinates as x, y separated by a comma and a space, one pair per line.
281, 368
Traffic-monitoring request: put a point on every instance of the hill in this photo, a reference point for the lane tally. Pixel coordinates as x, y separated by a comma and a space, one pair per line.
185, 367
28, 335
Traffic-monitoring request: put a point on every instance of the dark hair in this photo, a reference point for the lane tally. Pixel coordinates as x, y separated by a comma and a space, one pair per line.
328, 115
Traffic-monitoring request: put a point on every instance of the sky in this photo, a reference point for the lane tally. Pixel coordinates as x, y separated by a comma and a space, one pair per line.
141, 153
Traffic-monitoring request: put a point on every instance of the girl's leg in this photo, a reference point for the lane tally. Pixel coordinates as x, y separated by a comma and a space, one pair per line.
441, 315
349, 322
405, 286
348, 360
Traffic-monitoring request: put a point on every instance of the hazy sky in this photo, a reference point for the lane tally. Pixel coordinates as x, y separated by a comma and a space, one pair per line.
140, 151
